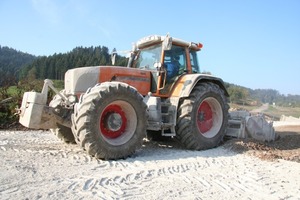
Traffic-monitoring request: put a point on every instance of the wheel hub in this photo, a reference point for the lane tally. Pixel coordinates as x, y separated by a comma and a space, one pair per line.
113, 121
204, 117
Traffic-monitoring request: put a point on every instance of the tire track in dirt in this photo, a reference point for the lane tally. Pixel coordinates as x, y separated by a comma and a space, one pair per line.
117, 184
45, 144
192, 173
112, 184
156, 171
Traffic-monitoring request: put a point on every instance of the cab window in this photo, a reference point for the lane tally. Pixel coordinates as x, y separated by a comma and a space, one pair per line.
147, 57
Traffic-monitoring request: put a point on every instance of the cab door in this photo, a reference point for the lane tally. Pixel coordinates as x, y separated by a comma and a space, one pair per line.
174, 65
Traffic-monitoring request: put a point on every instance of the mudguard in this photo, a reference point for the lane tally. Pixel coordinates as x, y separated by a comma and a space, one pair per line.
186, 83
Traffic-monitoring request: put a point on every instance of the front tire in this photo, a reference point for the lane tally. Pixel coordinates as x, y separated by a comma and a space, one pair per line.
109, 121
202, 117
64, 133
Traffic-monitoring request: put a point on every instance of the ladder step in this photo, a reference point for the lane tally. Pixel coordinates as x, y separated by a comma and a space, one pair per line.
167, 125
168, 134
165, 104
232, 121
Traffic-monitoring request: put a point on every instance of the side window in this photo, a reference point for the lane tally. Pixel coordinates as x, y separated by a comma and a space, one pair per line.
175, 62
194, 62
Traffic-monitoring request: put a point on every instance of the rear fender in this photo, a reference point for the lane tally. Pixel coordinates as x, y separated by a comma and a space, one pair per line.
186, 84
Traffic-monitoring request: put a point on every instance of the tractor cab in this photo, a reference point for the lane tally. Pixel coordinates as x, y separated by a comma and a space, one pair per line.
167, 58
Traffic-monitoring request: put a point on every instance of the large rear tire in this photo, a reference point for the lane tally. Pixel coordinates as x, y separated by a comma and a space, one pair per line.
202, 117
110, 121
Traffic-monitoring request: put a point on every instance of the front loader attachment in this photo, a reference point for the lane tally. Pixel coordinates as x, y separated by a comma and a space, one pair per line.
243, 124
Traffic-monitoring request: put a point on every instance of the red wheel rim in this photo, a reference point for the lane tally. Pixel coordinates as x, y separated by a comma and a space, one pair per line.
113, 121
204, 117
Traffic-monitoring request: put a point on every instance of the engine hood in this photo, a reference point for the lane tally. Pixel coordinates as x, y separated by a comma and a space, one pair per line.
79, 79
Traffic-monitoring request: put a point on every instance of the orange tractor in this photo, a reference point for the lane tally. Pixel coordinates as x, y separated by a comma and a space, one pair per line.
108, 110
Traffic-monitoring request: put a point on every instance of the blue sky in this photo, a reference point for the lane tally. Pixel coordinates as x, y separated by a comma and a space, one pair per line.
251, 43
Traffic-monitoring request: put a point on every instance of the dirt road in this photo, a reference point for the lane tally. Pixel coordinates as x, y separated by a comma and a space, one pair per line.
261, 109
36, 165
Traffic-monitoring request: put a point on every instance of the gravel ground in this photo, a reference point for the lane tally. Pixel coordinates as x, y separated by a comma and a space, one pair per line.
287, 147
36, 165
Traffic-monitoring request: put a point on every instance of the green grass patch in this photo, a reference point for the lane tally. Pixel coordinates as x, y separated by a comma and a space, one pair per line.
275, 111
12, 90
234, 106
58, 84
288, 111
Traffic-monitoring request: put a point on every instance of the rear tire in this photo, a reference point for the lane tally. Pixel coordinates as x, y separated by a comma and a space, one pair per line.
202, 117
110, 120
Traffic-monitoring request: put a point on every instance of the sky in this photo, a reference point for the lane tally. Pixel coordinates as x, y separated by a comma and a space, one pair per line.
251, 43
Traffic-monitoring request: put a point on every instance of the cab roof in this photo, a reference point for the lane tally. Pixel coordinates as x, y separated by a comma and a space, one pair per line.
154, 39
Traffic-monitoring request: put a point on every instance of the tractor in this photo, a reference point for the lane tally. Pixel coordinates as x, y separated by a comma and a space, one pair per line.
109, 110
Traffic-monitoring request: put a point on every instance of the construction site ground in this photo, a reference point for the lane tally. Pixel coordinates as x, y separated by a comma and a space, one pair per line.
286, 147
37, 165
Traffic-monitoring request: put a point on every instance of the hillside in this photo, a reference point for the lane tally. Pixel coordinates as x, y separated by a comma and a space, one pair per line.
11, 61
15, 65
246, 96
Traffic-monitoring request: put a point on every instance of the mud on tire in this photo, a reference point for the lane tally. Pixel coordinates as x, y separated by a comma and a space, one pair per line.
202, 117
110, 120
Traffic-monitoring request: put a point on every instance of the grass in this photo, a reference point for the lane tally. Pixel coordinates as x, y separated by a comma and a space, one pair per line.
275, 111
243, 107
58, 84
12, 90
288, 111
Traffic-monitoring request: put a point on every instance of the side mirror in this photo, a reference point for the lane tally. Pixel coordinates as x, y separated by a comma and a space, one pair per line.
167, 43
157, 65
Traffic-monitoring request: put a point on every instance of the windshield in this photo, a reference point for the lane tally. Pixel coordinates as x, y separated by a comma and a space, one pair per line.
146, 58
194, 62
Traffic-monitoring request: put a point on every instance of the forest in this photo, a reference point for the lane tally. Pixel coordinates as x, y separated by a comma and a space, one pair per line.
22, 72
55, 66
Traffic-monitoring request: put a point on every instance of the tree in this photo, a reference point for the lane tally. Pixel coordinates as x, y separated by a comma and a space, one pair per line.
12, 61
238, 94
